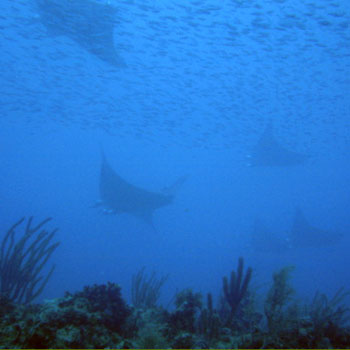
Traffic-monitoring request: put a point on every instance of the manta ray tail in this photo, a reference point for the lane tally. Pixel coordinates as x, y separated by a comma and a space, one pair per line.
172, 189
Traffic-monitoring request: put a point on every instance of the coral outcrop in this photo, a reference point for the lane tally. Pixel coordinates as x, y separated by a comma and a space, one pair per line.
93, 318
98, 317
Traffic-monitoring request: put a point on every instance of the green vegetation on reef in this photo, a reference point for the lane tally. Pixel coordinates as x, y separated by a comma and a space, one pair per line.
98, 317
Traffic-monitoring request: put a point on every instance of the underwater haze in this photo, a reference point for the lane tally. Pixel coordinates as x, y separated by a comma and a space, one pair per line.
248, 102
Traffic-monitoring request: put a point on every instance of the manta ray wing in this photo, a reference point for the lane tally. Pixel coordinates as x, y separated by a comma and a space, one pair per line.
268, 152
119, 196
303, 234
88, 23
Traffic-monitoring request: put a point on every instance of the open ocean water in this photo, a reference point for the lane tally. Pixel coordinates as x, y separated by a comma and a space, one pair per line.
235, 113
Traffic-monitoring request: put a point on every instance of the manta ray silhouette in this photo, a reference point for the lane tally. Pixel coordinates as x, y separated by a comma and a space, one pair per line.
88, 23
119, 196
268, 152
304, 235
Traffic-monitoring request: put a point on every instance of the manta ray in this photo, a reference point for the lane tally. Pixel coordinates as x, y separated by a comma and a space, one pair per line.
269, 152
88, 23
119, 196
303, 234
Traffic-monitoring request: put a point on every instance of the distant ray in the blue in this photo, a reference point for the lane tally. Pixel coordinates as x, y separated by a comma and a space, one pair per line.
88, 23
269, 152
304, 235
119, 196
265, 241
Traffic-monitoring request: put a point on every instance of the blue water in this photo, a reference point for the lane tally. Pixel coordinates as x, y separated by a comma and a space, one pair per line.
201, 80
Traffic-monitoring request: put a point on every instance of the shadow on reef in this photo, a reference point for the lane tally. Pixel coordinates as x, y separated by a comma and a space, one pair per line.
98, 317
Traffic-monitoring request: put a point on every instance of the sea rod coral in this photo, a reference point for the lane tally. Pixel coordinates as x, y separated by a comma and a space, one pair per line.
22, 261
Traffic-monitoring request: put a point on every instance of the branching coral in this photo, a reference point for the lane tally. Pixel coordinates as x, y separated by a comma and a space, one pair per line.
277, 298
21, 262
325, 311
236, 289
328, 315
209, 321
145, 291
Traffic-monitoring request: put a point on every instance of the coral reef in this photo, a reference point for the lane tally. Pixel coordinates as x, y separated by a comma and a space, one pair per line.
98, 317
152, 330
103, 299
92, 318
187, 304
21, 262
